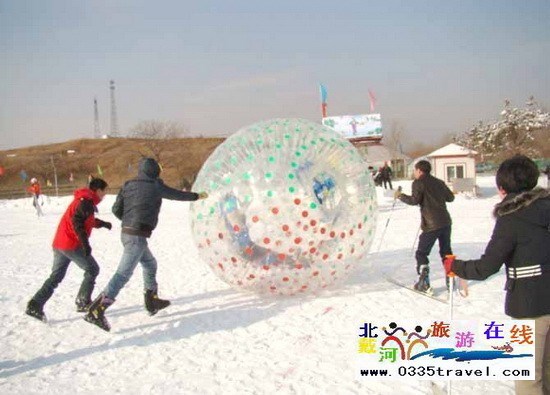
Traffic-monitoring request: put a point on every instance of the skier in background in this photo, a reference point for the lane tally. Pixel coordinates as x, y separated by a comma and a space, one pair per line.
71, 244
386, 173
521, 241
431, 194
34, 190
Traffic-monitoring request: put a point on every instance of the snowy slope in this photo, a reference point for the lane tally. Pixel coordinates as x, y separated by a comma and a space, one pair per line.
213, 339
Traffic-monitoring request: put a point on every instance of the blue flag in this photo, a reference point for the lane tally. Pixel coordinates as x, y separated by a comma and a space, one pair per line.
323, 92
23, 175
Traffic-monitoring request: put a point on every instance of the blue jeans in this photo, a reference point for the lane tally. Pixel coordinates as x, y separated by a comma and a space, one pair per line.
61, 260
135, 250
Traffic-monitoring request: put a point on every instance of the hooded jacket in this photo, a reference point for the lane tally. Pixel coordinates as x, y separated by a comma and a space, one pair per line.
76, 225
521, 241
431, 194
138, 202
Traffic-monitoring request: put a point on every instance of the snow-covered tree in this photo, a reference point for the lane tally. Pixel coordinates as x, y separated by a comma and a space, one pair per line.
513, 133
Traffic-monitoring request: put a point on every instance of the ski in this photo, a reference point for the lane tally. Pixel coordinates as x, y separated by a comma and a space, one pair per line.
462, 289
410, 288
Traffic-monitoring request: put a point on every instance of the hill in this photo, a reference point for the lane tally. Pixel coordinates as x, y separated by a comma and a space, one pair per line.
115, 158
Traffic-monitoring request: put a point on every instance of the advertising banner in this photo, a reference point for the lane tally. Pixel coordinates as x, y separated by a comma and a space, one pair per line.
356, 126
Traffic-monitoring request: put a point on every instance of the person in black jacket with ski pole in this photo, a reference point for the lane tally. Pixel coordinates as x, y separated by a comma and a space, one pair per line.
431, 194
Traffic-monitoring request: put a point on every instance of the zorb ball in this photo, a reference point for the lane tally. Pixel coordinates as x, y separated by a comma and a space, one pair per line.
291, 208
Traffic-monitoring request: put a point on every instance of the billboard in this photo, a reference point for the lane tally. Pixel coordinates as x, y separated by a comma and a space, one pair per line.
356, 126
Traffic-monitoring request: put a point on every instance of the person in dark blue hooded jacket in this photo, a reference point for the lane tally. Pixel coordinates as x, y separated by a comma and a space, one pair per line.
138, 205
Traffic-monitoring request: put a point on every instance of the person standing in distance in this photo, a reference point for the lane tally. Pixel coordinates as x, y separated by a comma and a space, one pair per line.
34, 190
386, 175
138, 205
431, 194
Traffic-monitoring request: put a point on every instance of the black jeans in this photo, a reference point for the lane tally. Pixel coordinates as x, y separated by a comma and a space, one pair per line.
427, 240
61, 260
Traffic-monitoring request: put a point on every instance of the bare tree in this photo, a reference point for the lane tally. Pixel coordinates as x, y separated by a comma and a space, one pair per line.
395, 139
156, 133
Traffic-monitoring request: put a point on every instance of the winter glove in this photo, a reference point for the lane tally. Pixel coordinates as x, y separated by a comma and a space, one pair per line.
107, 225
448, 265
87, 250
397, 193
203, 195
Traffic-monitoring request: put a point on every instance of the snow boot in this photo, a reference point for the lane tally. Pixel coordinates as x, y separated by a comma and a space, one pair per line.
96, 312
34, 309
423, 283
82, 305
152, 302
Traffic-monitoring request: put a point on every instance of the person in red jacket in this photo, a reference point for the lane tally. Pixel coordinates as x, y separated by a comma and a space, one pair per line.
71, 244
34, 190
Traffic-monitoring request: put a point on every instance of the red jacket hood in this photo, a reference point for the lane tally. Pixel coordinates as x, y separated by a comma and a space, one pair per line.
87, 193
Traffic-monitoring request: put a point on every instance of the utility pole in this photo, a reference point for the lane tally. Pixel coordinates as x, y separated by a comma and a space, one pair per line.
97, 132
114, 123
55, 177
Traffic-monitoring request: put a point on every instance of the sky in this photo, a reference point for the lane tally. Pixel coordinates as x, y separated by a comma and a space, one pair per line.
214, 67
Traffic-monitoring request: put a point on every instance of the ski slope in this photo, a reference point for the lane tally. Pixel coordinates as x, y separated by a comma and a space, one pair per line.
213, 339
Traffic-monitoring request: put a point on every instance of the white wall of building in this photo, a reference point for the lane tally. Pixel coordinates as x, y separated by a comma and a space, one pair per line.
446, 167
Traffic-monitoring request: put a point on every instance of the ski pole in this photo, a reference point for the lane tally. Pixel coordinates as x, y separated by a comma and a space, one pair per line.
451, 277
415, 238
387, 221
384, 231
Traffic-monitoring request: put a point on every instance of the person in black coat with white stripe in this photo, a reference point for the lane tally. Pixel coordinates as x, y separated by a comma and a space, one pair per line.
520, 241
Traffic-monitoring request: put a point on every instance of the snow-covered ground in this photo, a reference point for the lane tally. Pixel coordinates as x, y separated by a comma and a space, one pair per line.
213, 339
